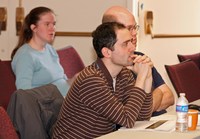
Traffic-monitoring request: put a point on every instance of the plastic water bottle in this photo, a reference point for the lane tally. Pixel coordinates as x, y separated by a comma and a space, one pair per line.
182, 113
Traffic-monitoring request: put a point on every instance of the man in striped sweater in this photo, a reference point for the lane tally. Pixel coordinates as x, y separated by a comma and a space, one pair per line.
162, 95
106, 93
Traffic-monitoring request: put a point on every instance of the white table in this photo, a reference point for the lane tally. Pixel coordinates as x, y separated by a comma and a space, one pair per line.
123, 134
133, 134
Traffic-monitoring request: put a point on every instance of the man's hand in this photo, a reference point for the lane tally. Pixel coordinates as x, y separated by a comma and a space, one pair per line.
140, 59
144, 77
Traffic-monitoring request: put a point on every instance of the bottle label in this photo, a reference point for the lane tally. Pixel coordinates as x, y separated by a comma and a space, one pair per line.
181, 108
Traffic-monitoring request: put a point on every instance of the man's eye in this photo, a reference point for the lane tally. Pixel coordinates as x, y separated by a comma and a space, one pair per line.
125, 44
131, 40
129, 28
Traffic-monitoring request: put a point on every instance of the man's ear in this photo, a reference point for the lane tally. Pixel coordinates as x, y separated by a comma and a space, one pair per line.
106, 52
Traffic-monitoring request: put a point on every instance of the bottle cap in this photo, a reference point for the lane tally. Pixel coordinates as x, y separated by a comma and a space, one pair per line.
182, 94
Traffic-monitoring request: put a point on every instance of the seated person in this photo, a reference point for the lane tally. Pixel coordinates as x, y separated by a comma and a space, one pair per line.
105, 93
162, 94
34, 61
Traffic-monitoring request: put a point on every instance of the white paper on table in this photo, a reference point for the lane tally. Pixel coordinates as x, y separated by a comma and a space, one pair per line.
167, 126
164, 117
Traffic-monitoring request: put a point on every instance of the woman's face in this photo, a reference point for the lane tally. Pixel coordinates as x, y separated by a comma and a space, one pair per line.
44, 30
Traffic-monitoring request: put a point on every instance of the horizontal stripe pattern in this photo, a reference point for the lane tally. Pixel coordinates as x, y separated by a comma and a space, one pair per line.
92, 108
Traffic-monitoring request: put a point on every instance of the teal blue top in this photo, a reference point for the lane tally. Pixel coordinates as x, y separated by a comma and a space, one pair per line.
36, 68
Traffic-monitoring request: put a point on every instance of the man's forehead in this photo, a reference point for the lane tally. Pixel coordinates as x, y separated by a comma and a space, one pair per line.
126, 20
123, 35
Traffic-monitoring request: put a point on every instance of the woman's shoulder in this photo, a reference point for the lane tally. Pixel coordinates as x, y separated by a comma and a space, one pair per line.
23, 51
22, 57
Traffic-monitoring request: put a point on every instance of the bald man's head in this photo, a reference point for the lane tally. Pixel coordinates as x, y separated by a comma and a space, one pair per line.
118, 14
124, 16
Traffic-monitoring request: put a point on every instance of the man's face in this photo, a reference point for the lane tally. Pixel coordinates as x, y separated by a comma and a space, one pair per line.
129, 21
123, 48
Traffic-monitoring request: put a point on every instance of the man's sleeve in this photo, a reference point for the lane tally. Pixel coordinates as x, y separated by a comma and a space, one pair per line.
157, 79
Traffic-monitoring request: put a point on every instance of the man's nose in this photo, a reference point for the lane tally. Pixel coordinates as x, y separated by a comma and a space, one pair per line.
134, 32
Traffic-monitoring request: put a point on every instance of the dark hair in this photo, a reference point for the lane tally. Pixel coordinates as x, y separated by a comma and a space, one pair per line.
105, 36
26, 33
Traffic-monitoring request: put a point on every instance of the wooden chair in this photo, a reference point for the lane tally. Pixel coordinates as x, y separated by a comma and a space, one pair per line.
194, 57
7, 130
70, 61
185, 78
7, 82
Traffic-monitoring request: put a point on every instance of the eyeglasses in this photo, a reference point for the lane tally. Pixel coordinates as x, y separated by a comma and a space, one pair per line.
135, 27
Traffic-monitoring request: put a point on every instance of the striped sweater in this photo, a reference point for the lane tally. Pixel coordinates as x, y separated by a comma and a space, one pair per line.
92, 108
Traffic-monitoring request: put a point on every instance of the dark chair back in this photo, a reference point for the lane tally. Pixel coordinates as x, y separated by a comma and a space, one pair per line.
70, 61
185, 78
194, 57
7, 130
7, 83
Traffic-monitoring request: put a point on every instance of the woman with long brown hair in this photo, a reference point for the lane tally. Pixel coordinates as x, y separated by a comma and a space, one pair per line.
34, 61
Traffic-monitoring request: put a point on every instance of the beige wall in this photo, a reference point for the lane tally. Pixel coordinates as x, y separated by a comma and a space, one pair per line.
72, 15
170, 17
